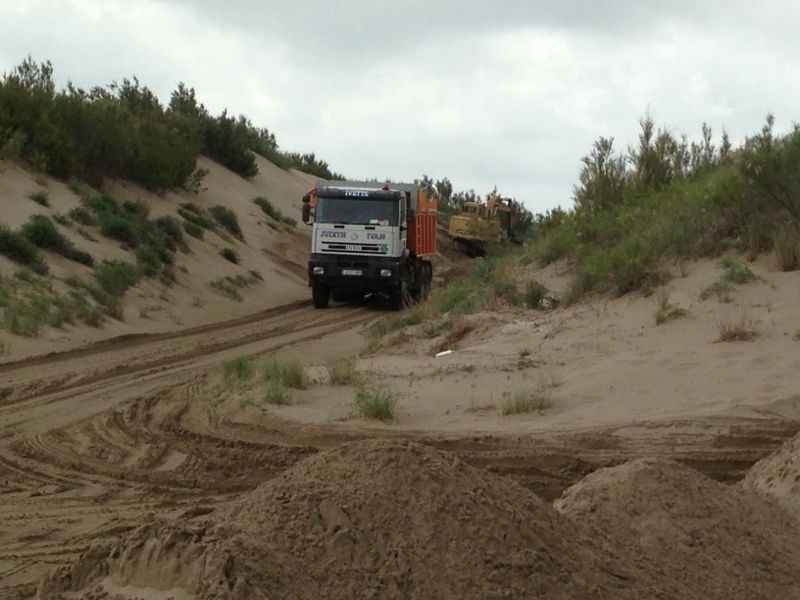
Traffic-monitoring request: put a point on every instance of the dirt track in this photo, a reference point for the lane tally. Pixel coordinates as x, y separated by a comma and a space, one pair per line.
96, 441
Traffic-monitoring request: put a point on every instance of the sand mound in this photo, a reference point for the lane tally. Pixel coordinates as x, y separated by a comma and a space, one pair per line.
718, 541
779, 475
365, 520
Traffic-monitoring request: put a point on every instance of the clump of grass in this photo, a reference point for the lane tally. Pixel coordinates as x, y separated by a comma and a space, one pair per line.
115, 277
535, 294
667, 311
240, 369
19, 249
526, 401
41, 197
289, 374
721, 288
83, 216
736, 330
231, 285
29, 303
735, 270
193, 229
230, 254
43, 233
342, 371
273, 213
376, 404
267, 207
227, 218
276, 393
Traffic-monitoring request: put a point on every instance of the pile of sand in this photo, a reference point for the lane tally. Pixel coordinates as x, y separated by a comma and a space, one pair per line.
717, 541
365, 520
779, 475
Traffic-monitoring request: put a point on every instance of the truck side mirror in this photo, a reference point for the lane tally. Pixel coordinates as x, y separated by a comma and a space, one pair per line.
410, 215
306, 209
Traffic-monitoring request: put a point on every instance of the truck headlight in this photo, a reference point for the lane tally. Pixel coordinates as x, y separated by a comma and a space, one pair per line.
386, 272
319, 271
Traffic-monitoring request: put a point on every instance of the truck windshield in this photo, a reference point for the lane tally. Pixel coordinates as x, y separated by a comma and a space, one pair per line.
367, 211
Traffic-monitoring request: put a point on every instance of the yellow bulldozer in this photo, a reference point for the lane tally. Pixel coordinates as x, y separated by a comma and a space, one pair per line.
478, 223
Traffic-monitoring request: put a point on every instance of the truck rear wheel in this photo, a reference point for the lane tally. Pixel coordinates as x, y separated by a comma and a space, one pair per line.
321, 294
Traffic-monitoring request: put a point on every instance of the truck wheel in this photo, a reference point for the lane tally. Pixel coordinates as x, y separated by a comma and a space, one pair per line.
399, 299
321, 295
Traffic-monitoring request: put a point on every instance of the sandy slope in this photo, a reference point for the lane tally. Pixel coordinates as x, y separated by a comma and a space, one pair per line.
603, 362
277, 254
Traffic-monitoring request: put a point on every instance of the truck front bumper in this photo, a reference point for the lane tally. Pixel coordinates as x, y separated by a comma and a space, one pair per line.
355, 273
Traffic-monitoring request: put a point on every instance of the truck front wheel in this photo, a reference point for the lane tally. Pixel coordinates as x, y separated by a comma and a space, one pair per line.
321, 294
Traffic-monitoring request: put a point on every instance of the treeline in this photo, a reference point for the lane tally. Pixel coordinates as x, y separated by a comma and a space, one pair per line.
122, 130
667, 199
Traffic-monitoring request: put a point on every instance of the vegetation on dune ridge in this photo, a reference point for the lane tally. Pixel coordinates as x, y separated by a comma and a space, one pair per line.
669, 200
123, 130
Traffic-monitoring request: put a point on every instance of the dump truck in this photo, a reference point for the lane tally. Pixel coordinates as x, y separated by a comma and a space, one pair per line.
478, 223
370, 238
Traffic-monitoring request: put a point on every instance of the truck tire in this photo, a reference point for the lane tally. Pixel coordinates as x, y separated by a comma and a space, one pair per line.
399, 299
321, 295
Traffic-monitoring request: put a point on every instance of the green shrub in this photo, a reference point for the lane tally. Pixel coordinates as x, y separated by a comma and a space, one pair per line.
195, 214
377, 404
82, 215
535, 294
227, 218
120, 227
171, 228
40, 197
115, 276
193, 230
230, 255
19, 249
41, 231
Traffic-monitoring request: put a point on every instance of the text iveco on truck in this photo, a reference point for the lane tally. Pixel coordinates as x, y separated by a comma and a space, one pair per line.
370, 238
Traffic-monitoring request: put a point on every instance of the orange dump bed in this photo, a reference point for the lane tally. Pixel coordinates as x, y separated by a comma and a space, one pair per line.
422, 230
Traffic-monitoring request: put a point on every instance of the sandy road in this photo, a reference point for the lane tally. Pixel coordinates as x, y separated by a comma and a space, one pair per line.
99, 440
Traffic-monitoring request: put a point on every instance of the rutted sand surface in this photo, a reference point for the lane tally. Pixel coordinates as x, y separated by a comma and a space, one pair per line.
130, 469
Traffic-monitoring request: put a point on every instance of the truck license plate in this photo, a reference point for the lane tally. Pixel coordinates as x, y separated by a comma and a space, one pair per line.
355, 272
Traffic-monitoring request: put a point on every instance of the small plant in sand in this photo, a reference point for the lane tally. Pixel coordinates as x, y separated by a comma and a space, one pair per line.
288, 374
230, 254
239, 369
667, 311
721, 288
342, 371
736, 330
375, 404
535, 295
276, 393
526, 401
735, 271
40, 197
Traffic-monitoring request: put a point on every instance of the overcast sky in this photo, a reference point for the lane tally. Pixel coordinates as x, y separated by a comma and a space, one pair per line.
495, 92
